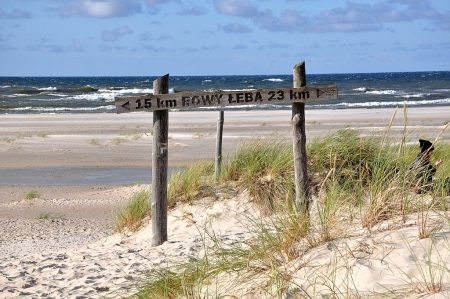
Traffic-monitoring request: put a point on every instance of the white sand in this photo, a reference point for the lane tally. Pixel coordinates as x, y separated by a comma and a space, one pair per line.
107, 140
73, 256
388, 258
373, 264
114, 266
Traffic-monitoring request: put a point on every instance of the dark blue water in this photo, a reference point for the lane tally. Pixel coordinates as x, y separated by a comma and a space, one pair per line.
96, 94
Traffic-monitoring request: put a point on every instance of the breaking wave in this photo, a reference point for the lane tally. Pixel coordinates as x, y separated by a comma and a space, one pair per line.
377, 91
362, 89
382, 92
48, 89
108, 108
384, 104
273, 80
415, 95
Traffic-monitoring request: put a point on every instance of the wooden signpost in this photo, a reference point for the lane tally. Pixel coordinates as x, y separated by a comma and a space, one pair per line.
218, 159
299, 142
159, 166
193, 100
160, 102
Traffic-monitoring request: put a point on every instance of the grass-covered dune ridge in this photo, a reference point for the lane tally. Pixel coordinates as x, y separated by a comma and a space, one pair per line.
360, 187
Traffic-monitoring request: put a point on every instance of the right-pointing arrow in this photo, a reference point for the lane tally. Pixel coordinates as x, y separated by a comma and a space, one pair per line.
126, 105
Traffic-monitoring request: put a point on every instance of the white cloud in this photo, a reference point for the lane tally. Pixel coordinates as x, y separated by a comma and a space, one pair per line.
101, 8
237, 8
352, 17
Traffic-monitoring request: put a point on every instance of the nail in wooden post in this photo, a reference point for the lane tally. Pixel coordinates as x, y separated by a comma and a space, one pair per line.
299, 142
159, 166
218, 164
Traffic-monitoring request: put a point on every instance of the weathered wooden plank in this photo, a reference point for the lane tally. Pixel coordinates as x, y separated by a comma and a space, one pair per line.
159, 166
192, 100
299, 142
218, 160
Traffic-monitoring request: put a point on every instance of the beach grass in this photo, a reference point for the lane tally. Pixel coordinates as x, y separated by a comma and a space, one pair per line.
8, 140
133, 135
130, 216
352, 179
32, 194
191, 183
49, 216
93, 142
265, 169
182, 280
258, 259
118, 140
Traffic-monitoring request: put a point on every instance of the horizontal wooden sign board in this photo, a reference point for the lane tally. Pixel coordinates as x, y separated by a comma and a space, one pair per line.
193, 100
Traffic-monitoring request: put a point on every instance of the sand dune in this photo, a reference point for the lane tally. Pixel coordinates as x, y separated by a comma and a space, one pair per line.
72, 252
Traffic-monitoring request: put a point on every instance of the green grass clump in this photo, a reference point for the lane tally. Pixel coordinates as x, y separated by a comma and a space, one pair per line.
117, 140
190, 183
32, 195
265, 169
261, 257
42, 135
133, 135
442, 177
354, 179
7, 140
131, 215
49, 216
182, 280
350, 156
93, 142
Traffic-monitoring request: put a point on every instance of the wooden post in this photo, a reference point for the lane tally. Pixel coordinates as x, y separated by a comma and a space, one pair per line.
299, 143
218, 164
159, 166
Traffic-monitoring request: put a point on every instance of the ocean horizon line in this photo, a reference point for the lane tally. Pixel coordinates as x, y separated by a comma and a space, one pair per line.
209, 75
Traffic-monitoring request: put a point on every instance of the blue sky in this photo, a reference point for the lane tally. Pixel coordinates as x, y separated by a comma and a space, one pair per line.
221, 37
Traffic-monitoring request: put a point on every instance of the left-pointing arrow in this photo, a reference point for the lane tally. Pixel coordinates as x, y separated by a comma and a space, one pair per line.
126, 105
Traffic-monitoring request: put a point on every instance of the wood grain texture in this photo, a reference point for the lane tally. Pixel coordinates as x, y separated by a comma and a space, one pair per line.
218, 159
193, 100
302, 198
159, 166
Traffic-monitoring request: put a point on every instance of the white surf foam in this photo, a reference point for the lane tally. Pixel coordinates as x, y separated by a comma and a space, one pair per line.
382, 92
385, 104
51, 88
59, 109
15, 95
127, 90
110, 94
274, 80
245, 89
362, 89
416, 95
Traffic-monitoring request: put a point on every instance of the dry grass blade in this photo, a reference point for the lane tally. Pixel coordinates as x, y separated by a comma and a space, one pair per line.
131, 215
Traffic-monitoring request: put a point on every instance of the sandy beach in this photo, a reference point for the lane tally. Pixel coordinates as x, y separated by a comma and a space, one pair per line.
110, 140
85, 166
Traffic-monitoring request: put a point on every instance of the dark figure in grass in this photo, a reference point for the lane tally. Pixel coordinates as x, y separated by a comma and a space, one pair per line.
422, 168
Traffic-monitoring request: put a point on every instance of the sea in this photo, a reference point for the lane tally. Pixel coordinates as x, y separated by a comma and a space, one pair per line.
21, 95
